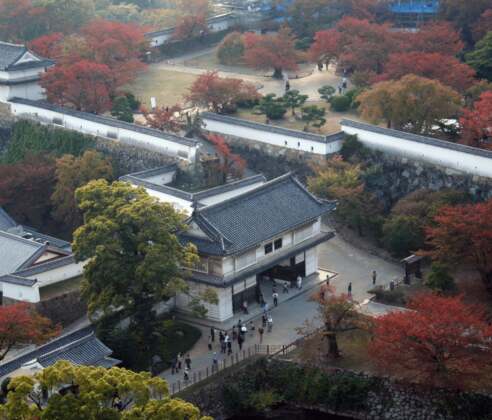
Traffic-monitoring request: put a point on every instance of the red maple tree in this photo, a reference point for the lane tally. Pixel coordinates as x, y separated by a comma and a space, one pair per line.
476, 124
463, 235
434, 37
190, 27
445, 68
48, 45
117, 45
482, 26
85, 85
163, 118
220, 94
440, 341
326, 46
271, 51
230, 164
20, 324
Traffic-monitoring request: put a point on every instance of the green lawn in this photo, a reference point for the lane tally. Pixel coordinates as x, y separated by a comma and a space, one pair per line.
168, 87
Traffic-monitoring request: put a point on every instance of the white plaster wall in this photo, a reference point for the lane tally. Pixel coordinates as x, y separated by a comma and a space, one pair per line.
4, 93
460, 161
59, 274
22, 293
21, 74
124, 135
220, 312
275, 139
311, 256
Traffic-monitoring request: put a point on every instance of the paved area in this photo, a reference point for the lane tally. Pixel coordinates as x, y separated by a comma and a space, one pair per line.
336, 256
308, 85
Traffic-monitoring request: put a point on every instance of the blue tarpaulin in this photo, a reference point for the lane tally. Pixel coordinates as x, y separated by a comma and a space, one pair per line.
415, 6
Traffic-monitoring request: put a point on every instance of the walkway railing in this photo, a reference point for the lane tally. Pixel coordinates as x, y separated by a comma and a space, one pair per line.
262, 350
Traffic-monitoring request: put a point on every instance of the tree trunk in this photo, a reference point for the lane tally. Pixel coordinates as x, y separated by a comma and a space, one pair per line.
277, 73
333, 345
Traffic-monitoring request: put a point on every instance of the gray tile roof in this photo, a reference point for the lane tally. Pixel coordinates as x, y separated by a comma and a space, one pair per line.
11, 53
273, 129
80, 347
112, 122
20, 281
56, 242
6, 222
138, 179
416, 138
46, 266
17, 252
248, 219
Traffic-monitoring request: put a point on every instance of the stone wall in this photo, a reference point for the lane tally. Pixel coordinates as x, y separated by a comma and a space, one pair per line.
127, 159
391, 178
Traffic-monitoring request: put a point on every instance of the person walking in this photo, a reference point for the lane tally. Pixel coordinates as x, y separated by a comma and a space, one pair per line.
188, 361
251, 328
173, 366
350, 289
275, 298
245, 307
209, 342
261, 331
240, 341
186, 375
285, 288
299, 282
374, 276
221, 336
229, 347
234, 333
264, 319
215, 363
179, 359
223, 346
270, 323
212, 334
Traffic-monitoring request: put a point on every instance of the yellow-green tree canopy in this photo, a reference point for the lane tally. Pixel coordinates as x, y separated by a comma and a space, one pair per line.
68, 392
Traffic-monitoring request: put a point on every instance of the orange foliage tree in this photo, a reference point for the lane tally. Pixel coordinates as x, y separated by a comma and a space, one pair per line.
463, 235
220, 94
163, 118
440, 341
20, 324
445, 68
271, 51
434, 37
230, 164
483, 25
476, 124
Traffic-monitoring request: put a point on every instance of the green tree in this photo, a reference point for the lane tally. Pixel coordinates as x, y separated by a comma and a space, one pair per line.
402, 235
314, 115
134, 258
481, 57
340, 103
273, 108
326, 92
66, 15
32, 139
91, 393
293, 99
71, 173
439, 278
121, 109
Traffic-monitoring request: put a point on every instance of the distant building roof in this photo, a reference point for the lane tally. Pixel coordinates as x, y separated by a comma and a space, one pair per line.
17, 252
418, 139
244, 221
11, 58
112, 122
272, 128
81, 347
6, 222
415, 7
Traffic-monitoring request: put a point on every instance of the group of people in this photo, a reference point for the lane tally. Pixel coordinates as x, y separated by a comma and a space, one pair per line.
177, 365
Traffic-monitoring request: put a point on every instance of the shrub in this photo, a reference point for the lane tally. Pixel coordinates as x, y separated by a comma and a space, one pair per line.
340, 103
439, 279
263, 399
348, 391
390, 297
352, 147
326, 92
